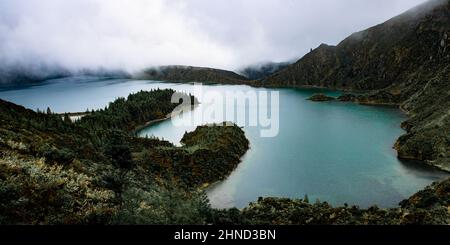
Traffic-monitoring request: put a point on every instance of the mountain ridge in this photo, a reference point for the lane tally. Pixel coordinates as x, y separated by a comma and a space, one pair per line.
405, 62
179, 73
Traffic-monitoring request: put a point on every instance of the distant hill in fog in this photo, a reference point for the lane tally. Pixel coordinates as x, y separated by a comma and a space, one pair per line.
261, 71
191, 74
21, 74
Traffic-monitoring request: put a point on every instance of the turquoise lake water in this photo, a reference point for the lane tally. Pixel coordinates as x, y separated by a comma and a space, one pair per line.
336, 152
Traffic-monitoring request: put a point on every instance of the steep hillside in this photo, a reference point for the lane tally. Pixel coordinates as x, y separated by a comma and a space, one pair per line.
191, 74
405, 62
412, 47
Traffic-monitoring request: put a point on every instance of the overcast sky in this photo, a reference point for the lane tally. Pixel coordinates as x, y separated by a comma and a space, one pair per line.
135, 34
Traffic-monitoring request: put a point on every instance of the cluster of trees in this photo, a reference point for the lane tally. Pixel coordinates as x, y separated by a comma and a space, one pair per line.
136, 110
208, 154
46, 135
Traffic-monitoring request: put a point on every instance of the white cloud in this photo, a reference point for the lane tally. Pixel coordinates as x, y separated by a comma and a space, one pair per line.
218, 33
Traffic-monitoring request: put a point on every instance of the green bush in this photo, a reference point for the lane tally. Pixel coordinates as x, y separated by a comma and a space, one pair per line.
32, 192
163, 205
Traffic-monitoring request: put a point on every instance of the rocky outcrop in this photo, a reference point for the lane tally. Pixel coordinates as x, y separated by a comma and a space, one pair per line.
347, 98
321, 98
403, 62
191, 74
428, 129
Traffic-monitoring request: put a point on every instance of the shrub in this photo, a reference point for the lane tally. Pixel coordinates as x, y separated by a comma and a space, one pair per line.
162, 205
32, 192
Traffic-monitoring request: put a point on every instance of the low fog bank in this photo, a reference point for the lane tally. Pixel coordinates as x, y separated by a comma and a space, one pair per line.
41, 39
263, 70
25, 74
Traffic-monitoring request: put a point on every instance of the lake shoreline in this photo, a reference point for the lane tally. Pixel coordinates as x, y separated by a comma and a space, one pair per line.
290, 96
167, 117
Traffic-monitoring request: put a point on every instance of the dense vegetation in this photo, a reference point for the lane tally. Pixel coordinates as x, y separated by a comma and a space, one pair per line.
136, 110
94, 171
208, 155
430, 206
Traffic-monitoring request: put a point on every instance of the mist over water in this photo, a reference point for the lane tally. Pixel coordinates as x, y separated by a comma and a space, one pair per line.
132, 35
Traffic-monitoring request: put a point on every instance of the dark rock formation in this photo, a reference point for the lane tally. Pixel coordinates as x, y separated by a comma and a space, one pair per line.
428, 137
321, 98
347, 98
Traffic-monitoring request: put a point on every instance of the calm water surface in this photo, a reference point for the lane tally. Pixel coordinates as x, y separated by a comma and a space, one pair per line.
335, 152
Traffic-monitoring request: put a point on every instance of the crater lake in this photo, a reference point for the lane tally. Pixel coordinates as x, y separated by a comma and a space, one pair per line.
333, 151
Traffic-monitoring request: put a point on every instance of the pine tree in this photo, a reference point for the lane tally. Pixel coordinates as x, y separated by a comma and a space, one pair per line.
118, 150
67, 118
306, 199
